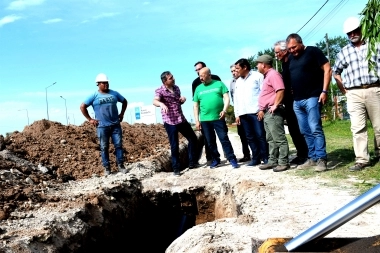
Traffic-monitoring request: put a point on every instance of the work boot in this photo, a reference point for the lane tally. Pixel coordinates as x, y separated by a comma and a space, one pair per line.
358, 166
308, 164
321, 165
267, 166
281, 168
107, 171
121, 168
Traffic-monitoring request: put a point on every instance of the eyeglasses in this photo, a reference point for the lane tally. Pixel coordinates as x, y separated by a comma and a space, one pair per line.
277, 52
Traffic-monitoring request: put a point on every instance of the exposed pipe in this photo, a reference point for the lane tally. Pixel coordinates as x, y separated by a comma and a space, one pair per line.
336, 219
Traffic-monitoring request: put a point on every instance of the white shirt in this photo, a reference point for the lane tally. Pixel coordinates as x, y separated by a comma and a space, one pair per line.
247, 91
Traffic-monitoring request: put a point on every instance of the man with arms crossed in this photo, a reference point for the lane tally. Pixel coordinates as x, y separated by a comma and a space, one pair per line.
362, 90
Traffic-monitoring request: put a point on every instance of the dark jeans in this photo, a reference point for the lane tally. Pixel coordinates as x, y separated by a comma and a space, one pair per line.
185, 129
207, 149
255, 133
220, 127
244, 142
104, 134
294, 130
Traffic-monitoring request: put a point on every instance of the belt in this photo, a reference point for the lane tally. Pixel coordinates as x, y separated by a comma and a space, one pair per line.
365, 86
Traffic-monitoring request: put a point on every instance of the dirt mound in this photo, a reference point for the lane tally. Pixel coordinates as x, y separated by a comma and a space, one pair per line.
74, 150
47, 152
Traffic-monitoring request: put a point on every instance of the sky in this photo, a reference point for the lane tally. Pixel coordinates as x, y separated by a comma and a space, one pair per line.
52, 50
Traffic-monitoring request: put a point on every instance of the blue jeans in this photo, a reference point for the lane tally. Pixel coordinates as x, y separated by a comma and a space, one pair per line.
104, 135
219, 126
308, 112
255, 132
185, 129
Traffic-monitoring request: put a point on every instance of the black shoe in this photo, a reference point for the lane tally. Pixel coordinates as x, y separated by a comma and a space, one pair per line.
253, 163
193, 166
244, 159
298, 161
358, 166
176, 173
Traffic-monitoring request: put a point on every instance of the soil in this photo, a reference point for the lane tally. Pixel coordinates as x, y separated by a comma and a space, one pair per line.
48, 152
35, 165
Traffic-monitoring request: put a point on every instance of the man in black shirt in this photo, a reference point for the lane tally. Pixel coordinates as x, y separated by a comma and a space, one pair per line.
310, 76
198, 66
299, 142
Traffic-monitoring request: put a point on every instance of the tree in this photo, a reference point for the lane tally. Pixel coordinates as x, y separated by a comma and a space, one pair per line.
370, 24
269, 51
335, 45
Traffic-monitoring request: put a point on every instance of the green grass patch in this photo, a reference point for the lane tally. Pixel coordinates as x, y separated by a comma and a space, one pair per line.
341, 156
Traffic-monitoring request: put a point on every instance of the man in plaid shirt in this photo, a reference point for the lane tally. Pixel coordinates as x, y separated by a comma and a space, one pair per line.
362, 90
168, 98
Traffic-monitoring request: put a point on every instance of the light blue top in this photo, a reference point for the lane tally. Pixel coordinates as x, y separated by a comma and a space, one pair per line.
105, 107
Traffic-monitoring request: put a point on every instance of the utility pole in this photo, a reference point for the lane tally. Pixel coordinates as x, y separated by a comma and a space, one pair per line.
331, 89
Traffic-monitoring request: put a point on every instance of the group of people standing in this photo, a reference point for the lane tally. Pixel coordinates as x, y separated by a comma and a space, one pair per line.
262, 99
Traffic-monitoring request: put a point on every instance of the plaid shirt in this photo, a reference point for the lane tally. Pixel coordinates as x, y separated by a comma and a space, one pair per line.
174, 116
353, 60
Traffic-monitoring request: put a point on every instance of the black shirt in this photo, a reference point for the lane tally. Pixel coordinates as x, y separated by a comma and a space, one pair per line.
306, 73
197, 82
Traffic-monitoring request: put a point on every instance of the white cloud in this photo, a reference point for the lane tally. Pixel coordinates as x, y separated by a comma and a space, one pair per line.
54, 20
247, 52
22, 4
8, 19
106, 15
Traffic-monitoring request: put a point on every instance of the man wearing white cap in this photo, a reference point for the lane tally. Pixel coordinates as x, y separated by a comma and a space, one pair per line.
362, 90
107, 120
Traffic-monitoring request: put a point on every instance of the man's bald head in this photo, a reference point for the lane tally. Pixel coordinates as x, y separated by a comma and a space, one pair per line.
205, 75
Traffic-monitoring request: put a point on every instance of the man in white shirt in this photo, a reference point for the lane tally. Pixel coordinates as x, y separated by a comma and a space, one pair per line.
246, 97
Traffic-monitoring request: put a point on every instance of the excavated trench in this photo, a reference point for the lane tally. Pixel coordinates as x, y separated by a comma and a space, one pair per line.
123, 219
115, 215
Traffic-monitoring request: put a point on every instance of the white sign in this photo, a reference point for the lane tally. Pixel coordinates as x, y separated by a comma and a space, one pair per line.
145, 114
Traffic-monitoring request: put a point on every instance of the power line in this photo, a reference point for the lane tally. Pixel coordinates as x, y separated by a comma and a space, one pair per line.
326, 18
312, 16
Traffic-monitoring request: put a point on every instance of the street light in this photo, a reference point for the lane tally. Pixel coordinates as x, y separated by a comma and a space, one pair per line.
67, 122
47, 107
27, 115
